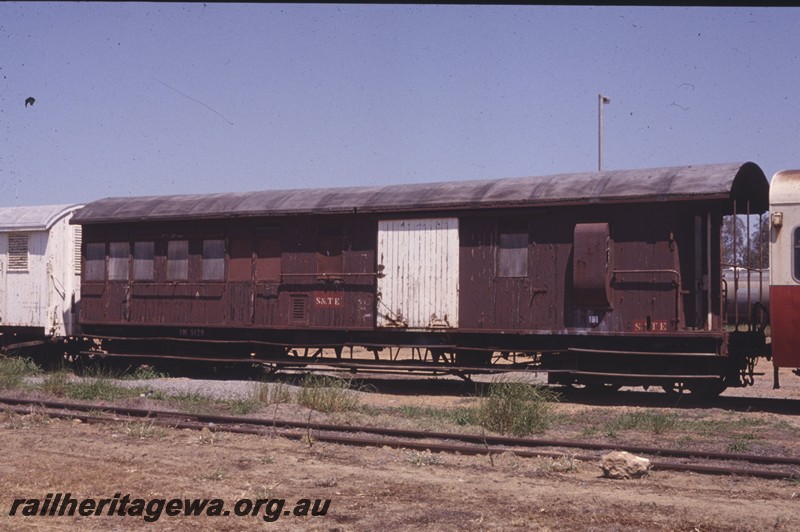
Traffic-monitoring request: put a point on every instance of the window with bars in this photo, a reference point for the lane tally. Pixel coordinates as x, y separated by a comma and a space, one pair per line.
18, 253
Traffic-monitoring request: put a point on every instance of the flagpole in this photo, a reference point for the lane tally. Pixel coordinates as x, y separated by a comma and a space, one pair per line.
601, 100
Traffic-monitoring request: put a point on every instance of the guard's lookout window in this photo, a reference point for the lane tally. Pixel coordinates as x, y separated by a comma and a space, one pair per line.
512, 255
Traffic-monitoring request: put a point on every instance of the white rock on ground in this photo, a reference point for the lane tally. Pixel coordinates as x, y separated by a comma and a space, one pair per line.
622, 464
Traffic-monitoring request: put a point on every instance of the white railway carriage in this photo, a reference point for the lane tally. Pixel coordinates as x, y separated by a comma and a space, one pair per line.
39, 273
784, 199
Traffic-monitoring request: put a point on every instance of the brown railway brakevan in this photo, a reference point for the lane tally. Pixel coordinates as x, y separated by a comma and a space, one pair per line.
602, 279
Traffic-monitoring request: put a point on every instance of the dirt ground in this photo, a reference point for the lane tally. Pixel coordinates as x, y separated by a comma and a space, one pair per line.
369, 489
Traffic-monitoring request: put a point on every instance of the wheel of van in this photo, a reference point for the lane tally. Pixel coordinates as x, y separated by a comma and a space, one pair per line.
708, 389
700, 389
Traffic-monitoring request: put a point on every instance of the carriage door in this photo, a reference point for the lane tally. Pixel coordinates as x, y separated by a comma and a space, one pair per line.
3, 287
419, 260
118, 287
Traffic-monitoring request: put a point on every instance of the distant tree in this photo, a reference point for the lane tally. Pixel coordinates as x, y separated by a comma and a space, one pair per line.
757, 256
759, 239
733, 233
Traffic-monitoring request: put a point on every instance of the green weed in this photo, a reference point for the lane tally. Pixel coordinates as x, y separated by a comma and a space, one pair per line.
655, 422
55, 383
13, 371
272, 393
141, 430
242, 407
457, 416
99, 388
145, 372
193, 403
327, 394
516, 408
25, 421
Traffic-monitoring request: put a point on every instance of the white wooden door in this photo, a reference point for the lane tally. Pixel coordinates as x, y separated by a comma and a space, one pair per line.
419, 288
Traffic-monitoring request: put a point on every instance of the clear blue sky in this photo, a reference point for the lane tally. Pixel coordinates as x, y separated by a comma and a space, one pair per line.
152, 98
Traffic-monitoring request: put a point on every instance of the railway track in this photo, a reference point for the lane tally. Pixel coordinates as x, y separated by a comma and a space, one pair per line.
774, 467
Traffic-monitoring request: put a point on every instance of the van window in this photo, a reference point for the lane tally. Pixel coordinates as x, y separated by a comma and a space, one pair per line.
94, 262
178, 260
143, 255
213, 260
512, 255
118, 258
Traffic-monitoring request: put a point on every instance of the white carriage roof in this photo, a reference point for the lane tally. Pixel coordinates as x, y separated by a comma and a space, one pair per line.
34, 218
720, 182
785, 188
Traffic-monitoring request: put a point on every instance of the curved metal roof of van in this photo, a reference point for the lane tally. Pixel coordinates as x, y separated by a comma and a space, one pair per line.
681, 183
34, 218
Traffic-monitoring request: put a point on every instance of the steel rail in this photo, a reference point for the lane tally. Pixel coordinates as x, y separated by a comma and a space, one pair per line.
464, 449
467, 441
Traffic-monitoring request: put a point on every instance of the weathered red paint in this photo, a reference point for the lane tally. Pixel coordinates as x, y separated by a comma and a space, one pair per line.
785, 319
269, 282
